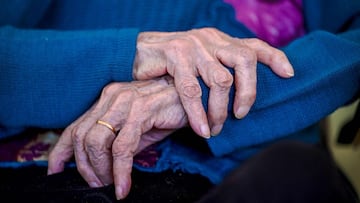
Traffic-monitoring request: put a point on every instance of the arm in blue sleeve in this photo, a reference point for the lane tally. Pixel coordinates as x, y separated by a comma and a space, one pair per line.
49, 78
327, 76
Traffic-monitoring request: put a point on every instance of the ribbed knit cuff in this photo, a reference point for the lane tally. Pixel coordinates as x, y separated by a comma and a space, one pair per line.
124, 49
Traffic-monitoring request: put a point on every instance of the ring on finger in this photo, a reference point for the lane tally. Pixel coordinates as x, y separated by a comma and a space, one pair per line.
106, 124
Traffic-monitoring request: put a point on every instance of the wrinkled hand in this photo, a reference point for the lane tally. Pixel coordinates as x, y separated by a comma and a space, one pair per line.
205, 52
144, 112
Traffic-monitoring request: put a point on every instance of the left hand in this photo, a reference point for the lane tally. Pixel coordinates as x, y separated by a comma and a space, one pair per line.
142, 112
206, 52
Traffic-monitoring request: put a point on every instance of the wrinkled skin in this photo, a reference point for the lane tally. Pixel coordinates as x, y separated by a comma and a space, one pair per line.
205, 52
144, 112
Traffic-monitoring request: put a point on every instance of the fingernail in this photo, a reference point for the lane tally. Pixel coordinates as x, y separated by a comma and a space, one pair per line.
205, 131
119, 193
216, 129
289, 70
290, 73
241, 112
94, 184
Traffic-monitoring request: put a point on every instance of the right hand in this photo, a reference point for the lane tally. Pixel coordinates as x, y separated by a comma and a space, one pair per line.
141, 113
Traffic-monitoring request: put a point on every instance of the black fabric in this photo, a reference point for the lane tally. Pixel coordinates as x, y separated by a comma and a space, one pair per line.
288, 171
30, 184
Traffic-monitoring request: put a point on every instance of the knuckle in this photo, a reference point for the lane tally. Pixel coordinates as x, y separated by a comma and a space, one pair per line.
223, 79
110, 89
211, 29
207, 29
137, 74
247, 53
122, 151
226, 53
98, 155
211, 33
76, 135
190, 89
96, 152
93, 145
248, 57
123, 97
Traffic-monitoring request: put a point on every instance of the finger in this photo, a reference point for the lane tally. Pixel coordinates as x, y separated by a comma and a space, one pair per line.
78, 135
244, 62
273, 57
84, 147
61, 153
101, 136
123, 151
189, 92
219, 80
63, 149
69, 144
98, 149
81, 157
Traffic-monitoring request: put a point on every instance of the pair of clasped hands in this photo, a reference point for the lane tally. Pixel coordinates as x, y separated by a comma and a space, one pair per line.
165, 96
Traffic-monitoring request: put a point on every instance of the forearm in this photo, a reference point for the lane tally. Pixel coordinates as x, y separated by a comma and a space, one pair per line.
49, 78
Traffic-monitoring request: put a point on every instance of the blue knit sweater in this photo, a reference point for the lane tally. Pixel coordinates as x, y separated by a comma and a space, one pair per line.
56, 56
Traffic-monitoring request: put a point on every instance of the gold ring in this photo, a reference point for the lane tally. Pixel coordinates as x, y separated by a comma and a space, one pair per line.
106, 125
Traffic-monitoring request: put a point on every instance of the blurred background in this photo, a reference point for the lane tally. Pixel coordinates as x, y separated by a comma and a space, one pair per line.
345, 154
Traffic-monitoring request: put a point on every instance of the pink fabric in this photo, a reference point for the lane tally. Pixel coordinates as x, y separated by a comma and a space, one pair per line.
35, 146
275, 21
32, 146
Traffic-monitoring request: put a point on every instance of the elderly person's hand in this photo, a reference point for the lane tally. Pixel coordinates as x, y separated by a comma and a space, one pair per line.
206, 52
132, 116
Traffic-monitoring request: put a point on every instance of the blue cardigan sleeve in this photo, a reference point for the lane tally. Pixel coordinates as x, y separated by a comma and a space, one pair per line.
51, 71
57, 57
327, 76
48, 77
